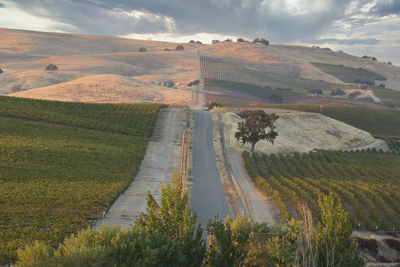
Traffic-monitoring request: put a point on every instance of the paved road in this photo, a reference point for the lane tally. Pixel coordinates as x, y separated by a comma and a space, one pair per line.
161, 159
208, 193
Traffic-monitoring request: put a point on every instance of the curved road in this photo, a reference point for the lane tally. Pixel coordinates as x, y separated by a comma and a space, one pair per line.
208, 193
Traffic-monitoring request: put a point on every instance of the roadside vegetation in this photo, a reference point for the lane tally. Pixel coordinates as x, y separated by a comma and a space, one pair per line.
368, 183
62, 164
167, 235
350, 75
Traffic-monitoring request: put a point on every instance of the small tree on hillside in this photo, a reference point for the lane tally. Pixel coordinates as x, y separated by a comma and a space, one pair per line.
179, 48
1, 71
253, 128
51, 67
142, 49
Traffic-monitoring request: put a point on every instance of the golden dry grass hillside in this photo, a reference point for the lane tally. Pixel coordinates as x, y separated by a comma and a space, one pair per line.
111, 69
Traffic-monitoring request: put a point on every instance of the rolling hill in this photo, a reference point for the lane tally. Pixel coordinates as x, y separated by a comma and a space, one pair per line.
85, 61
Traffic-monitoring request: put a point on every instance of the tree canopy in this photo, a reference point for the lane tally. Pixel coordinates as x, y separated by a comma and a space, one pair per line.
253, 129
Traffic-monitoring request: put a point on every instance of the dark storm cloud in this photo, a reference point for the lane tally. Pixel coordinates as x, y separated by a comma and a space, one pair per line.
278, 20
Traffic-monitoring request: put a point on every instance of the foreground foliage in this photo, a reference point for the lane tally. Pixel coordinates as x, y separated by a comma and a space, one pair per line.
166, 236
368, 182
61, 164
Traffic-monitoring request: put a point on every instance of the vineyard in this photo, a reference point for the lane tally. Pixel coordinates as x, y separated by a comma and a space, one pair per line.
368, 183
265, 92
215, 69
388, 97
349, 75
380, 122
62, 164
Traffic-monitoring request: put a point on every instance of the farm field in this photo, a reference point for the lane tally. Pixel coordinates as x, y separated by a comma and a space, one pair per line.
380, 122
349, 75
264, 93
62, 164
368, 183
388, 97
215, 69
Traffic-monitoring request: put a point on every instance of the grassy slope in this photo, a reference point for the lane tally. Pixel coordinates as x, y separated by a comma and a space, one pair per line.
348, 74
63, 163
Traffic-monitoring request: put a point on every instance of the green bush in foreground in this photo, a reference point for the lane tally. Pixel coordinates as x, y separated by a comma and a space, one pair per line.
166, 236
107, 247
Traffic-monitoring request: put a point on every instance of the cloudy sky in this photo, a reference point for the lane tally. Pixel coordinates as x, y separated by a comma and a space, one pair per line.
359, 27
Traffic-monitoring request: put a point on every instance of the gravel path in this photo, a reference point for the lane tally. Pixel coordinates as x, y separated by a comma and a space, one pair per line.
208, 193
377, 144
161, 159
257, 204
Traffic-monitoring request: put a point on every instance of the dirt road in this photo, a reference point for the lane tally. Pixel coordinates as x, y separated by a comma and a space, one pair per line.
257, 204
161, 159
208, 193
377, 144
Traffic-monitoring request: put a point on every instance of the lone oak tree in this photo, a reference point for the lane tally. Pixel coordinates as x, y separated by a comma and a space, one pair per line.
253, 128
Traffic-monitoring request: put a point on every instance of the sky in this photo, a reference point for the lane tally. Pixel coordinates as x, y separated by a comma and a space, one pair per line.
359, 27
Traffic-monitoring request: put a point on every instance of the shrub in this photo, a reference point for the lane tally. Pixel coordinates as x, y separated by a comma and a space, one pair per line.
179, 48
337, 92
142, 49
261, 41
240, 40
16, 88
168, 83
277, 98
167, 49
195, 82
1, 71
51, 67
107, 247
315, 91
354, 94
213, 105
215, 41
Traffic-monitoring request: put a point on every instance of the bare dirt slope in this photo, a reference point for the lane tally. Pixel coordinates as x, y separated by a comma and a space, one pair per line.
301, 132
162, 158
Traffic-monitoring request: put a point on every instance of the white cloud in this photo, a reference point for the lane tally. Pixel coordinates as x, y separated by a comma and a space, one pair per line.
11, 16
179, 38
